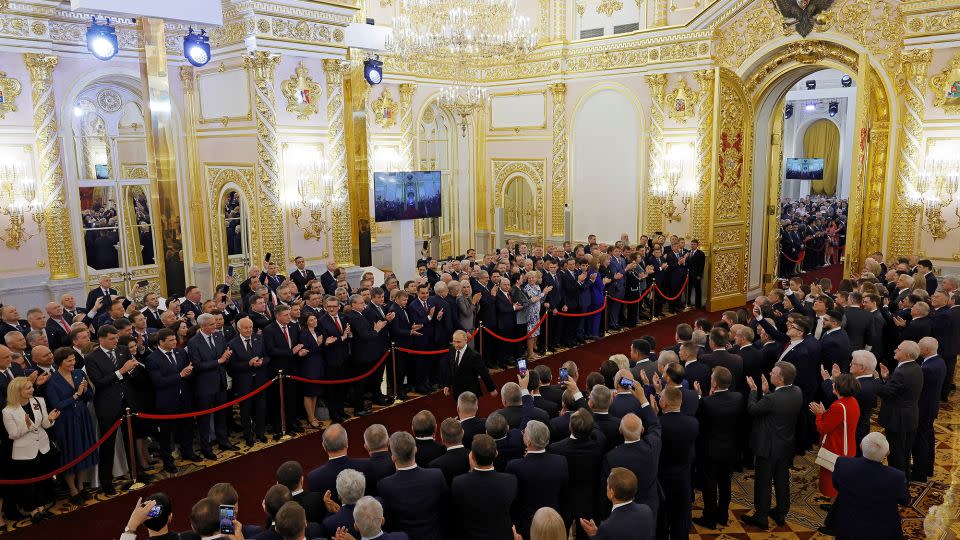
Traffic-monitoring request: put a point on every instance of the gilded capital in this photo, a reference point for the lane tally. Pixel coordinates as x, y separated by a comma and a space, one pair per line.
261, 64
916, 61
704, 78
334, 69
657, 84
559, 90
187, 79
40, 67
406, 92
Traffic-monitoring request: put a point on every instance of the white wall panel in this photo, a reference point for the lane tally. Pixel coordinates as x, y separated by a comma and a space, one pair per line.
518, 111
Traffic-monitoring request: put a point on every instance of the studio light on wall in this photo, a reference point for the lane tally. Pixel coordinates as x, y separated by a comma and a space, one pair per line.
674, 181
373, 70
313, 192
102, 39
788, 111
833, 108
846, 81
196, 47
936, 187
19, 196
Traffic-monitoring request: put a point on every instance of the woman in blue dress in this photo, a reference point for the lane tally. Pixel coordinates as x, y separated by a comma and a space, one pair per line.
595, 277
311, 365
69, 392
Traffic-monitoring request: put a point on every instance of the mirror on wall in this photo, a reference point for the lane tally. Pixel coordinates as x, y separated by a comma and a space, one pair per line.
236, 246
101, 230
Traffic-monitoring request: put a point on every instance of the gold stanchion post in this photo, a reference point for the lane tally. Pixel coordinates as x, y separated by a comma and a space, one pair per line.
283, 408
131, 454
393, 361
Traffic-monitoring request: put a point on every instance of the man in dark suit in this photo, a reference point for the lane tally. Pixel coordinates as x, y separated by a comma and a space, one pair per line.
720, 414
327, 279
281, 344
376, 313
919, 325
676, 464
624, 401
584, 454
628, 519
376, 443
467, 416
603, 421
720, 356
899, 411
403, 331
552, 302
424, 427
302, 275
350, 487
774, 416
463, 369
104, 289
414, 499
570, 286
111, 371
152, 311
324, 478
57, 327
696, 261
249, 370
640, 451
507, 308
541, 477
208, 355
856, 321
869, 494
550, 407
934, 372
925, 268
455, 460
513, 411
694, 369
170, 371
834, 343
421, 313
483, 497
337, 339
290, 474
270, 277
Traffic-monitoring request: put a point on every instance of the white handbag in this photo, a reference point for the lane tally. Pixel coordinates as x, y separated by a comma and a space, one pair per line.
826, 458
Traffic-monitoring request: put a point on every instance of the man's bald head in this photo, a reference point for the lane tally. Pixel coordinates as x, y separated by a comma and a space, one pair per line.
631, 427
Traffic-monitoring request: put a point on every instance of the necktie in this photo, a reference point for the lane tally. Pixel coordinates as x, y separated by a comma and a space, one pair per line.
286, 335
210, 342
380, 311
65, 325
459, 354
246, 345
9, 374
337, 321
113, 357
170, 357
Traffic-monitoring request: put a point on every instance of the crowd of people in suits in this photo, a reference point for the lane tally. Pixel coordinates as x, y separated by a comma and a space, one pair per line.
813, 232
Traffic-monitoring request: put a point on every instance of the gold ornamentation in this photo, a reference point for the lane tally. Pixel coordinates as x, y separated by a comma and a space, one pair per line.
935, 23
218, 177
50, 187
337, 162
261, 65
802, 52
534, 169
302, 93
609, 7
4, 5
903, 234
559, 158
109, 100
338, 35
654, 205
727, 273
9, 90
407, 153
386, 3
134, 171
875, 189
384, 110
704, 148
38, 28
660, 13
876, 25
946, 87
682, 102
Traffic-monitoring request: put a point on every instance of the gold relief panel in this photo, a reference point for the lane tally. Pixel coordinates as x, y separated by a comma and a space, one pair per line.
9, 90
728, 267
731, 235
384, 110
945, 87
609, 7
534, 170
802, 52
946, 22
681, 102
134, 171
302, 93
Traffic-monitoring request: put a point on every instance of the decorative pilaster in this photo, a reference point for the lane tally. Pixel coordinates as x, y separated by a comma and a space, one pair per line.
51, 187
261, 66
660, 13
903, 230
559, 162
654, 204
407, 151
198, 222
337, 163
704, 149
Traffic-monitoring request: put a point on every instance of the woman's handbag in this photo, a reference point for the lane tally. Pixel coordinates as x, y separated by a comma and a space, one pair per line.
826, 458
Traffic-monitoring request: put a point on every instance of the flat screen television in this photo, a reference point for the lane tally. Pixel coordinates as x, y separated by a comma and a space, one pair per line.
406, 195
805, 168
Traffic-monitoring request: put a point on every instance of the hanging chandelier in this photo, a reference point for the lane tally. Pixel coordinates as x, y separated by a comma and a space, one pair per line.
461, 30
462, 101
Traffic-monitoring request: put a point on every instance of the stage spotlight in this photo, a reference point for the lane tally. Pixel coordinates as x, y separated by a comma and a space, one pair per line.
196, 47
834, 108
810, 107
811, 84
373, 70
788, 111
846, 81
102, 40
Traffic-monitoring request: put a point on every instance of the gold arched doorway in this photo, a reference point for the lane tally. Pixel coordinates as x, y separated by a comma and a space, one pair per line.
822, 139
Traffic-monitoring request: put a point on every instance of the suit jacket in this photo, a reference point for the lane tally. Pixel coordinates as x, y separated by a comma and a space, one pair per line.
379, 466
301, 280
421, 315
623, 404
57, 335
336, 354
428, 450
900, 395
679, 439
931, 282
570, 289
443, 326
246, 378
835, 349
187, 307
97, 293
324, 477
280, 352
698, 371
112, 394
805, 356
550, 407
453, 463
582, 493
172, 392
731, 361
541, 478
28, 441
414, 501
209, 375
483, 500
633, 520
917, 329
466, 376
328, 282
774, 421
378, 345
754, 363
642, 457
934, 373
471, 428
514, 415
695, 264
868, 497
273, 282
312, 504
343, 518
856, 323
720, 415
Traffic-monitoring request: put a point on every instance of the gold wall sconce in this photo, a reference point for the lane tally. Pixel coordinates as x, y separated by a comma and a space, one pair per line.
19, 196
936, 187
674, 181
314, 197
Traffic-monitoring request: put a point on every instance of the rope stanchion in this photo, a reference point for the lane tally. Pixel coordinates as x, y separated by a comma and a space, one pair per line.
228, 404
67, 466
423, 353
672, 298
587, 314
635, 300
393, 361
519, 339
131, 458
369, 372
479, 329
799, 258
283, 406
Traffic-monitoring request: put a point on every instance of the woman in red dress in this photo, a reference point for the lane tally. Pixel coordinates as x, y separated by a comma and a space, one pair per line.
837, 423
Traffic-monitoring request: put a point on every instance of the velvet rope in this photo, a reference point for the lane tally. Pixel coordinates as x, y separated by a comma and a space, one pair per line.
799, 258
635, 300
342, 381
68, 466
211, 410
519, 339
436, 351
669, 298
589, 313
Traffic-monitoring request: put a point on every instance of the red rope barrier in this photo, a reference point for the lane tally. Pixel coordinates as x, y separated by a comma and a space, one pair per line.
635, 300
517, 340
670, 298
799, 258
342, 381
423, 353
211, 410
594, 312
68, 466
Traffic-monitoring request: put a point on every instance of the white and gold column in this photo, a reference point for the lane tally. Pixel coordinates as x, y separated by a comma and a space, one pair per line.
261, 66
559, 160
337, 163
903, 229
51, 186
198, 222
407, 151
704, 148
654, 204
660, 13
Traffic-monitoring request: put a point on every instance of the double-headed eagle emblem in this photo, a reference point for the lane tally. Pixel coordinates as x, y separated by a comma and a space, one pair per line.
802, 13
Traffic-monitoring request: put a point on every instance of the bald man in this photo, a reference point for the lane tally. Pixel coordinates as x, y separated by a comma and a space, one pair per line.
57, 326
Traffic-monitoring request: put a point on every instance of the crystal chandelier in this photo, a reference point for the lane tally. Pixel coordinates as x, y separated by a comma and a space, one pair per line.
462, 101
461, 30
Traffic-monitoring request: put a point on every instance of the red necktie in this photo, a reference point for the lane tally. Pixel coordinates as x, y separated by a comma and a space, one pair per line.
285, 334
65, 325
337, 321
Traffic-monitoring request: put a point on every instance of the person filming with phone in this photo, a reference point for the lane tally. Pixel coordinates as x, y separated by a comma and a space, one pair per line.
463, 369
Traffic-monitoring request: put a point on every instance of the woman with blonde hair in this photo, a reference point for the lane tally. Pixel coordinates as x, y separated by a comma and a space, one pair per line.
26, 420
546, 525
536, 296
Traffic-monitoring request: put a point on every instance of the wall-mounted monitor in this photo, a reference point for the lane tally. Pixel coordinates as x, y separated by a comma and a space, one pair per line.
804, 169
406, 195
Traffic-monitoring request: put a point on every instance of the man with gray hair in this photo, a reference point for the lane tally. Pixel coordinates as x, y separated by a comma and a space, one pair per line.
512, 411
368, 521
376, 441
599, 403
899, 412
541, 477
208, 352
934, 372
350, 487
414, 498
869, 493
323, 479
467, 406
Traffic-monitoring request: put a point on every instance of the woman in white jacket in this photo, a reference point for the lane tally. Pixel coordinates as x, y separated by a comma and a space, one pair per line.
26, 419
